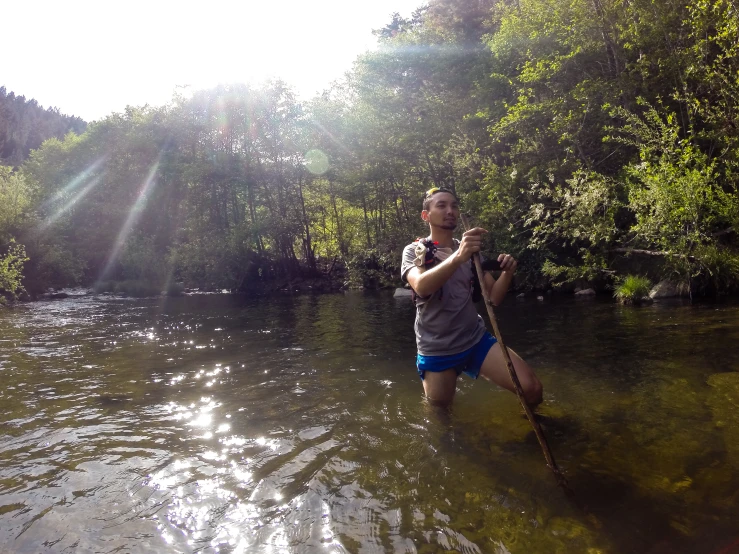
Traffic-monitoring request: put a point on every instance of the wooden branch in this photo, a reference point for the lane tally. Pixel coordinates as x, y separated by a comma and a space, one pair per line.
561, 481
724, 232
661, 253
644, 252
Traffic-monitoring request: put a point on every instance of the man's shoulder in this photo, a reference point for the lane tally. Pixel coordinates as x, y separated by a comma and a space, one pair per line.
411, 246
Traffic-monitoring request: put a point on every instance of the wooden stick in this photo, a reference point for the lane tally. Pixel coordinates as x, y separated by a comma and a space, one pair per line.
512, 372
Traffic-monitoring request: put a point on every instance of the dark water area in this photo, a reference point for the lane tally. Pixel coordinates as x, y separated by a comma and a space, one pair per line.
297, 424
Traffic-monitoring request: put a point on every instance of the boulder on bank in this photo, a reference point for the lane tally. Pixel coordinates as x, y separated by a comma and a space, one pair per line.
669, 289
402, 293
586, 292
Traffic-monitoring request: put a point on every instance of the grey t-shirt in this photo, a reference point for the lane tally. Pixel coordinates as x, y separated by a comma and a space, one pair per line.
447, 322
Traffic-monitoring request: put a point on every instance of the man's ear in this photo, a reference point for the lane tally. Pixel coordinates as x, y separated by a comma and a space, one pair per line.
425, 215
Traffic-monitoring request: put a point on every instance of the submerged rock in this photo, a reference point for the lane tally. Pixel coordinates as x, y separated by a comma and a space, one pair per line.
724, 402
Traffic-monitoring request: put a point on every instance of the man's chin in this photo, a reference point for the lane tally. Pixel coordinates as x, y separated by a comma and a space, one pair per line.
449, 226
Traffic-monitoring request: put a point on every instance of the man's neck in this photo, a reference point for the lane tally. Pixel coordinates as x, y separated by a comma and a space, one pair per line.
445, 237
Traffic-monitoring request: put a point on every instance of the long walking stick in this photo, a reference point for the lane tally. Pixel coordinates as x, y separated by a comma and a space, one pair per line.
561, 481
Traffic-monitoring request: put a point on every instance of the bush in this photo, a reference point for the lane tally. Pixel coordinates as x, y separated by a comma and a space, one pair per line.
633, 289
371, 269
11, 271
141, 261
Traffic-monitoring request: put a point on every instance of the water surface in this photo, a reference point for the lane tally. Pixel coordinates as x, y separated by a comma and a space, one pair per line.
296, 424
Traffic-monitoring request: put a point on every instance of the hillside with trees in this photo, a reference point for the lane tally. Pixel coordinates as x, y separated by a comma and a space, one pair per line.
24, 126
594, 139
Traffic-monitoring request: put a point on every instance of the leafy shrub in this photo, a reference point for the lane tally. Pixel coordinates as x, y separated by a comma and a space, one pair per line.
141, 261
217, 261
371, 269
11, 271
633, 289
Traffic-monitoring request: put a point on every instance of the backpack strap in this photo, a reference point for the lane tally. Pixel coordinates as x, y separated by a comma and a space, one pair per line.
428, 261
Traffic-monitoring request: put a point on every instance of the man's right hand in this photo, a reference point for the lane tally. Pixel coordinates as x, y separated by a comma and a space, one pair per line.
471, 243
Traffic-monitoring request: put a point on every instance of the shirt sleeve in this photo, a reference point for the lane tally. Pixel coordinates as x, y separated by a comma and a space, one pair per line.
406, 264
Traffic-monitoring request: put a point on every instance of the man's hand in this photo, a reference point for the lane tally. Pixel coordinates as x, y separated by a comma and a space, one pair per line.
471, 243
507, 263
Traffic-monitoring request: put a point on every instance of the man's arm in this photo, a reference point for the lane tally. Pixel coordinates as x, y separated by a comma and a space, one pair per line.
497, 288
426, 282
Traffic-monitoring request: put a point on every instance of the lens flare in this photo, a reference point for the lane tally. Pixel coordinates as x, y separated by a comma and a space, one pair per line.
71, 202
86, 179
316, 161
133, 217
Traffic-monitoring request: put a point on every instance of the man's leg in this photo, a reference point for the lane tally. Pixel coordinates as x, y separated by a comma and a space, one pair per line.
494, 369
440, 386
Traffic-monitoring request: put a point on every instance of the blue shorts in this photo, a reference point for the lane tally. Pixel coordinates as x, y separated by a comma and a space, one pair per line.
468, 362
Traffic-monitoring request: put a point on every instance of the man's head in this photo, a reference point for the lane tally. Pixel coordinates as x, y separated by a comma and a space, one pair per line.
440, 208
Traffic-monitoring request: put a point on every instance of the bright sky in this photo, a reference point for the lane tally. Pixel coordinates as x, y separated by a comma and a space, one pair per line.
91, 58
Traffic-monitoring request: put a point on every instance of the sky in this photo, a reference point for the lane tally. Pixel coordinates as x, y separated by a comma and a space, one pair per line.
93, 58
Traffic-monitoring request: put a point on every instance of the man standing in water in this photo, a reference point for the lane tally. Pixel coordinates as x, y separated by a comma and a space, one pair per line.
450, 335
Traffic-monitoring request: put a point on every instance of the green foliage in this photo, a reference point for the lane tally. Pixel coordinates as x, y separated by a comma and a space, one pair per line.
632, 289
372, 270
579, 136
11, 271
677, 197
54, 265
220, 261
141, 261
24, 125
15, 199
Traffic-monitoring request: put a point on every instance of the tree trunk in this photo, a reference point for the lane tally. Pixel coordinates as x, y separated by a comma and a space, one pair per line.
366, 220
310, 258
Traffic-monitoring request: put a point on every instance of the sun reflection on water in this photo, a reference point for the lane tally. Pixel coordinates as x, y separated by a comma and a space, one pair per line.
220, 498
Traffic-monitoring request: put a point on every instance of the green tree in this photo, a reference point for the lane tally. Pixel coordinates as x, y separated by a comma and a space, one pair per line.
11, 271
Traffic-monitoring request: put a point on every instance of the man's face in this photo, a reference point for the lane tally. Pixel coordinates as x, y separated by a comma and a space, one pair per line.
443, 211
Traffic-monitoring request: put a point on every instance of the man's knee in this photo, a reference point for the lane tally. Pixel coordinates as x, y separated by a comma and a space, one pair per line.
441, 394
440, 400
533, 391
440, 387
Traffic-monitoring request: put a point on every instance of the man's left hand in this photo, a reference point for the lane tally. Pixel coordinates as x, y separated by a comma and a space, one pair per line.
507, 263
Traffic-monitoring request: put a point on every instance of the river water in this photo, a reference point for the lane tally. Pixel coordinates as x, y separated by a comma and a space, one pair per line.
215, 423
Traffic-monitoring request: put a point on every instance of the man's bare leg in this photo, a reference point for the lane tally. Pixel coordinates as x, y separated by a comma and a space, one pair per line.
440, 386
494, 369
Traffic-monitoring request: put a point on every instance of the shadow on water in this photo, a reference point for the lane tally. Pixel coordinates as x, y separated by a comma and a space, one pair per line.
216, 423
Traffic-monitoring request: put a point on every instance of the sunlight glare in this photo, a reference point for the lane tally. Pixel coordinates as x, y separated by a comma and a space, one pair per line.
74, 184
133, 216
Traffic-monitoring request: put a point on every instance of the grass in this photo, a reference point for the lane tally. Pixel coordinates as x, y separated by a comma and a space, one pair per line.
633, 289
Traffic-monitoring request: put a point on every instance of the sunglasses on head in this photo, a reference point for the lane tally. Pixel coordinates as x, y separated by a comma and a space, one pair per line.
434, 190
